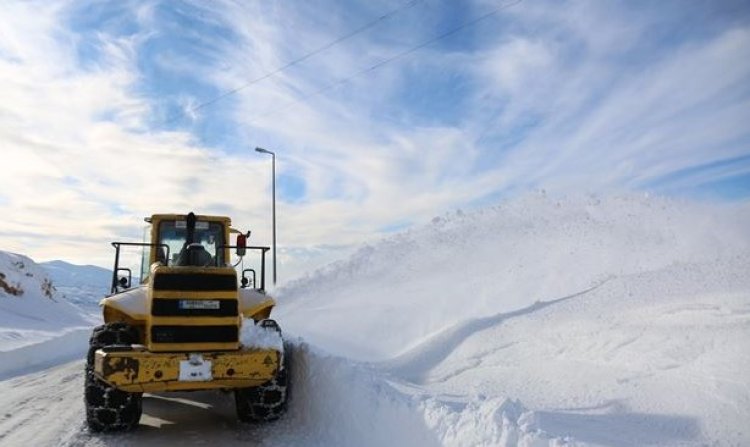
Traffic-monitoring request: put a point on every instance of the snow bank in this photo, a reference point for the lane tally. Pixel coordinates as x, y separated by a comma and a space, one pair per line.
619, 321
58, 347
337, 402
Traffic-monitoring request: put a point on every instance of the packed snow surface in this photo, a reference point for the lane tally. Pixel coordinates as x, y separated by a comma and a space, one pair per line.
622, 321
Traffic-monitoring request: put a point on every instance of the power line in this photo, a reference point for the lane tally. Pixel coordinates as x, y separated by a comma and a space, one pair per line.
305, 57
393, 58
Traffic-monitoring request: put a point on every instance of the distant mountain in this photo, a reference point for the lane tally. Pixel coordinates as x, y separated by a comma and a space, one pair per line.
71, 275
84, 285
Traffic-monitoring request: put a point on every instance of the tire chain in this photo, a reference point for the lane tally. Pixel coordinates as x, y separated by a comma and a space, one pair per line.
267, 402
107, 408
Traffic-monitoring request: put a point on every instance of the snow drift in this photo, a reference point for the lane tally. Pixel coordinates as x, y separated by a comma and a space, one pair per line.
337, 402
394, 294
618, 321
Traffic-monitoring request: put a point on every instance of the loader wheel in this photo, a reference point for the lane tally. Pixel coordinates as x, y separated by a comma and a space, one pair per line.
267, 402
107, 408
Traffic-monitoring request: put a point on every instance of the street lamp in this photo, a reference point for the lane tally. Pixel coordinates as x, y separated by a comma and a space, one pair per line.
273, 191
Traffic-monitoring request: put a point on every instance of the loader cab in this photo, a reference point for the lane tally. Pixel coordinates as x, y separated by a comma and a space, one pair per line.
190, 241
166, 242
187, 241
202, 250
175, 240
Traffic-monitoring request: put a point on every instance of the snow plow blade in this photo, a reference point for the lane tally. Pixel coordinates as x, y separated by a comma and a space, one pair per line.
138, 370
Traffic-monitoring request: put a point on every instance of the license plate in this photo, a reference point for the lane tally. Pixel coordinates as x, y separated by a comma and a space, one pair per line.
200, 304
195, 369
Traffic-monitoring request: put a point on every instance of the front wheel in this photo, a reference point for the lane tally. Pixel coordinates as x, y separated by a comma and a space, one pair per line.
267, 402
107, 408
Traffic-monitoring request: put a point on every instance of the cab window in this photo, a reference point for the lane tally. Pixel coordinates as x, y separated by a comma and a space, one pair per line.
174, 234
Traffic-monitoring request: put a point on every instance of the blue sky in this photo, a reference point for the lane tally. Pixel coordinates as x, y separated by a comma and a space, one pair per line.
103, 124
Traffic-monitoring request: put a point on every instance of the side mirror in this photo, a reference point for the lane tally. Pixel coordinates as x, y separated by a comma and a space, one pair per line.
245, 281
124, 282
241, 244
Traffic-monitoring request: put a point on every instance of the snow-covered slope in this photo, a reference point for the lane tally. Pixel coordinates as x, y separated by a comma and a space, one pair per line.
391, 296
619, 321
32, 311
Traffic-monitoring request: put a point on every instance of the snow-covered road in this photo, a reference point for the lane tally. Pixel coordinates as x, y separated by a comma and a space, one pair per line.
46, 409
43, 408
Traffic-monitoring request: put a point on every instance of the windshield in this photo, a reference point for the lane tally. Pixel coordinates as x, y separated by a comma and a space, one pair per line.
207, 239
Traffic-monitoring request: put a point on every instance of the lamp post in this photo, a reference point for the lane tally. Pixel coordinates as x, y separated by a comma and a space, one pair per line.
273, 192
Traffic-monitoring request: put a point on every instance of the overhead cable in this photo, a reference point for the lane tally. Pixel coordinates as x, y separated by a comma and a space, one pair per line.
305, 57
390, 59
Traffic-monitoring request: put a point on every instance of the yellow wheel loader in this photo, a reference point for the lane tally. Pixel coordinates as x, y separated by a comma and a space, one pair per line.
189, 325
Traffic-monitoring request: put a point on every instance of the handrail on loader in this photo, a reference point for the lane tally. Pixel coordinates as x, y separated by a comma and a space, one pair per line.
117, 268
263, 251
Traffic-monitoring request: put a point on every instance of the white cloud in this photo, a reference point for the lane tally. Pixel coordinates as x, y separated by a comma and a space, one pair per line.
518, 65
